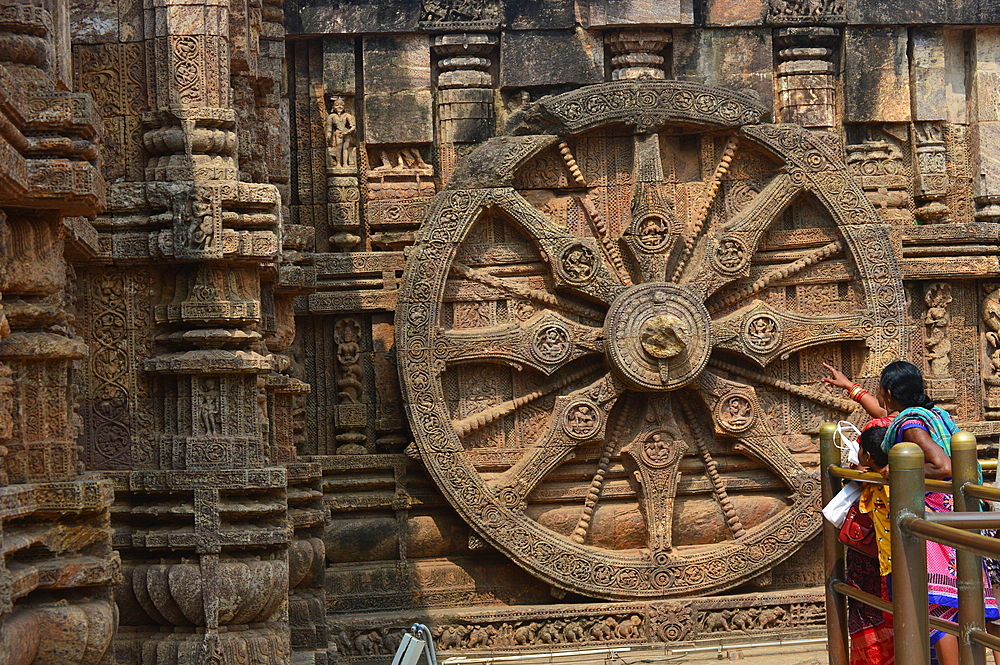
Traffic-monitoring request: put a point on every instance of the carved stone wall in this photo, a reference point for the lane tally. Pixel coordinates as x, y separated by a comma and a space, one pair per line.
506, 317
610, 322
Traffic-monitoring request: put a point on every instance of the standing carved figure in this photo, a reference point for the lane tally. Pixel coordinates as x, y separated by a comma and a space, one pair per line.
936, 319
208, 407
991, 317
347, 334
341, 128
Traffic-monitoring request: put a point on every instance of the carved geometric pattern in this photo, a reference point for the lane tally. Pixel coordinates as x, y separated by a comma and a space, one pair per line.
660, 376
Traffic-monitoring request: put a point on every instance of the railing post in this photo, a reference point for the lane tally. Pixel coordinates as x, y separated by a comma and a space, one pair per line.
833, 552
909, 556
971, 615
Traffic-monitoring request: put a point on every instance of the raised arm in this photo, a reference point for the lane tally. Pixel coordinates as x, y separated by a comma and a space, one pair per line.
867, 401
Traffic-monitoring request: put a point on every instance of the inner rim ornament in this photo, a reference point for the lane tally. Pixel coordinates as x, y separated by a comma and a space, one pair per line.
607, 400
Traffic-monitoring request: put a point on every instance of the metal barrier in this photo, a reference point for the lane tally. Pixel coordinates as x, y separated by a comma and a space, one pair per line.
911, 526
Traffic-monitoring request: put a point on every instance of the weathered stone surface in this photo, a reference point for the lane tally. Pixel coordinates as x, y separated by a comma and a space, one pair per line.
550, 57
937, 75
876, 81
738, 59
398, 102
614, 13
721, 12
339, 66
539, 15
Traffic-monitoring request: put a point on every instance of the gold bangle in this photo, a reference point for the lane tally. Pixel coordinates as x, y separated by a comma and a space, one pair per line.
854, 390
861, 393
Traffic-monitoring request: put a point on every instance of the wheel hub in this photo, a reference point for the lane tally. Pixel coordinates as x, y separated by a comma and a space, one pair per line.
658, 336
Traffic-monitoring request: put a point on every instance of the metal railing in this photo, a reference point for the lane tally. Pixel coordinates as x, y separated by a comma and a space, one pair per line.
911, 527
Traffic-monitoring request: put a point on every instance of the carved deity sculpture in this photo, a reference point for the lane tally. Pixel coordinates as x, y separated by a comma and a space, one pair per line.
208, 407
341, 128
936, 320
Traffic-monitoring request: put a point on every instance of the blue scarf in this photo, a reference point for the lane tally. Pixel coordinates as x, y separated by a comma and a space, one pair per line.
938, 422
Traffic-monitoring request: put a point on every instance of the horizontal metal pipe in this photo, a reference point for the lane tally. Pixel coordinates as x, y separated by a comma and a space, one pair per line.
863, 596
975, 520
937, 485
952, 537
853, 474
988, 464
943, 625
980, 492
982, 637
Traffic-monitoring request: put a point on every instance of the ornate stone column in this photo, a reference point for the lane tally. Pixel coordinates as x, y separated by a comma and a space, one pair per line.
57, 566
638, 53
464, 94
184, 322
807, 80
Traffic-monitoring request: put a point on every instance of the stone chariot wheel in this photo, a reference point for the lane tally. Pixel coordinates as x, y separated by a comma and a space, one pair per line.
611, 328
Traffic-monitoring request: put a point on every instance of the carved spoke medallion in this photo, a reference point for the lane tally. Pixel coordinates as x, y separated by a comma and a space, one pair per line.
620, 375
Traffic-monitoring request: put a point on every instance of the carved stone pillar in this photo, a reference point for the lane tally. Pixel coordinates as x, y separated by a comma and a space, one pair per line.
464, 94
879, 166
985, 119
807, 75
57, 566
941, 387
207, 578
638, 53
991, 349
931, 166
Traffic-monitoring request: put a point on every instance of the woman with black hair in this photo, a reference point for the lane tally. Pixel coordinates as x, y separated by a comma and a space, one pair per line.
919, 421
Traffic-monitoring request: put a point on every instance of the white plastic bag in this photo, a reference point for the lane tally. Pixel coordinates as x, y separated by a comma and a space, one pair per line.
836, 510
849, 441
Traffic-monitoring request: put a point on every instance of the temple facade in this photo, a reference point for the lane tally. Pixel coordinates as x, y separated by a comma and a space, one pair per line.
325, 317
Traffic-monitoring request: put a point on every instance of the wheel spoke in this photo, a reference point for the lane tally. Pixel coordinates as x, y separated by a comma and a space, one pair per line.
477, 421
576, 263
578, 418
700, 436
597, 483
600, 228
737, 412
810, 259
519, 290
730, 247
546, 342
655, 455
826, 399
705, 205
763, 333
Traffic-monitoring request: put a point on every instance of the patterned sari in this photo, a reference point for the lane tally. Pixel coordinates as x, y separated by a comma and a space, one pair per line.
942, 585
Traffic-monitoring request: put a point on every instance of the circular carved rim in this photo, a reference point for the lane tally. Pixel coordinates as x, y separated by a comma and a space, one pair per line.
496, 511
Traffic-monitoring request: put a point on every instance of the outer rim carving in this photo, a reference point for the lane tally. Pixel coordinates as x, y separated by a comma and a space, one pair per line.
618, 574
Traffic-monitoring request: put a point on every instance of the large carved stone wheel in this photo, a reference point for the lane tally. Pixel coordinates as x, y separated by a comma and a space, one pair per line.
601, 339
